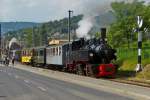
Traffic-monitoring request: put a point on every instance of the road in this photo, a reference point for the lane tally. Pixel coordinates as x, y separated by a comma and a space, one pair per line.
16, 84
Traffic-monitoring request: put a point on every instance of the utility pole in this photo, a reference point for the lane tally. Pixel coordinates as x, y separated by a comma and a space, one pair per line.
0, 41
46, 38
139, 23
69, 31
45, 35
33, 39
69, 25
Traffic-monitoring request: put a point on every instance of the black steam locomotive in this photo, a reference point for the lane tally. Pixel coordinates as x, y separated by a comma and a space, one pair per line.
92, 57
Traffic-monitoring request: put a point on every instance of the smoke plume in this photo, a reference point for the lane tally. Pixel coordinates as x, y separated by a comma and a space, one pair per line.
90, 10
84, 26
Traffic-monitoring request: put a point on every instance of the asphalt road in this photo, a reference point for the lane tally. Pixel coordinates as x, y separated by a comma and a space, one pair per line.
16, 84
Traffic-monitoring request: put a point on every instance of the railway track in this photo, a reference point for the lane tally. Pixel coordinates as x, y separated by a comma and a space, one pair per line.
132, 82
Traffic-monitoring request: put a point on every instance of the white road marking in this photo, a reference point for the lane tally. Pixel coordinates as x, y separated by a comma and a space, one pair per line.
26, 81
16, 76
9, 74
41, 88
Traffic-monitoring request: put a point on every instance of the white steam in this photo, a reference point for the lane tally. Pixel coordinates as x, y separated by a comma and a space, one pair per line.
92, 9
84, 26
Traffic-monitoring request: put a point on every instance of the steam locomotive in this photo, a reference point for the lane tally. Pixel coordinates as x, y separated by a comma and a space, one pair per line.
92, 57
84, 57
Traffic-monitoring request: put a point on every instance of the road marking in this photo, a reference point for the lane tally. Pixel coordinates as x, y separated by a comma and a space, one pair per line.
41, 88
26, 81
9, 74
16, 76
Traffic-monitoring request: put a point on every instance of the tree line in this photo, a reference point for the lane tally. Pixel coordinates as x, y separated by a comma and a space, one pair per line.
121, 32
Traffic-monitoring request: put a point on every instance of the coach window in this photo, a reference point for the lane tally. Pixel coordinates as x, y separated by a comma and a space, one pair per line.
22, 53
50, 51
60, 50
41, 52
56, 50
28, 53
31, 53
53, 51
25, 53
36, 52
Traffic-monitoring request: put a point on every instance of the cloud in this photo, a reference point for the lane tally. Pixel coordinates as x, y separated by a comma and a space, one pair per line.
45, 10
35, 10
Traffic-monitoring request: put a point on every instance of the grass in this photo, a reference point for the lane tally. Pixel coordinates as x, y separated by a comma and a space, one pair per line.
127, 60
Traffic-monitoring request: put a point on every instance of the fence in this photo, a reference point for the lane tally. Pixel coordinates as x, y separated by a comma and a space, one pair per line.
132, 53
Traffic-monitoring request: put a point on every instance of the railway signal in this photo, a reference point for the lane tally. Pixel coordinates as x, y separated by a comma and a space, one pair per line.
139, 24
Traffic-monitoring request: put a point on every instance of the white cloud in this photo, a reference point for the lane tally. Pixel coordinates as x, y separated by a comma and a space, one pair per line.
45, 10
35, 10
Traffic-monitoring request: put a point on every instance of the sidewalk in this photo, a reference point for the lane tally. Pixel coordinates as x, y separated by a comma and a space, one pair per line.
140, 93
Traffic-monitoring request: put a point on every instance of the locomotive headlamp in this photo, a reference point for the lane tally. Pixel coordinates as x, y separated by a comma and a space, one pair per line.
91, 54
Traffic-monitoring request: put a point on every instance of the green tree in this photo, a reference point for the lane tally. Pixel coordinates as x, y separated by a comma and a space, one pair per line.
126, 13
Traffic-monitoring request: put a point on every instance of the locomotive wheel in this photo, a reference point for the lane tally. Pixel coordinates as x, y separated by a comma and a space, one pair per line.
79, 70
89, 71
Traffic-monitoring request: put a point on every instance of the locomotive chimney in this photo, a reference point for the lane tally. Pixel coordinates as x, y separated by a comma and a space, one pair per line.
103, 34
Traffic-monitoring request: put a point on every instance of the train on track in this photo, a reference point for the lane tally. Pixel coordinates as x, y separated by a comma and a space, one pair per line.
91, 57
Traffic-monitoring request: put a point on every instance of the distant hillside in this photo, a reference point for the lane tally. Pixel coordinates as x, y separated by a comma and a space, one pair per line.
14, 26
57, 29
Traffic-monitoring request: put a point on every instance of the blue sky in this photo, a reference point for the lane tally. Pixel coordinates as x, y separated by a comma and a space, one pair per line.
45, 10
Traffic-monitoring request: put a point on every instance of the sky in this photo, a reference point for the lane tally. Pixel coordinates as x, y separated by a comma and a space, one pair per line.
46, 10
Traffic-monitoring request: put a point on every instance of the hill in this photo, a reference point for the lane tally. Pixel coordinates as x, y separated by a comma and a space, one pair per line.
57, 29
14, 26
